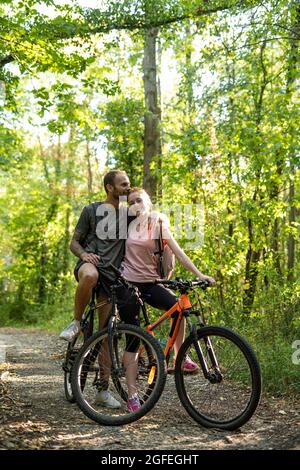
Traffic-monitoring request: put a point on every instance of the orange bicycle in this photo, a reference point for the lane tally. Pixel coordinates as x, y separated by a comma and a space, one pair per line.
226, 390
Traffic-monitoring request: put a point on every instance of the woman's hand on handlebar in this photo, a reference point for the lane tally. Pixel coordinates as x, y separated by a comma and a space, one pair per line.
90, 258
210, 280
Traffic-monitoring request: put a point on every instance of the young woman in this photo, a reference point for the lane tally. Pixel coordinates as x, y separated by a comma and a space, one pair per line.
139, 266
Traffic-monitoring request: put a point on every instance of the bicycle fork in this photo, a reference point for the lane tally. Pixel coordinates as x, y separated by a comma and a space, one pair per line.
116, 363
212, 374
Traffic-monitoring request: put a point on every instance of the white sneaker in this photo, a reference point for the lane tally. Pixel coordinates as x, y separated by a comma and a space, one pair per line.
105, 398
71, 331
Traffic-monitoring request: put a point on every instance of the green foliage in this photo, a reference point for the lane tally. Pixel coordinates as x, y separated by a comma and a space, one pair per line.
124, 133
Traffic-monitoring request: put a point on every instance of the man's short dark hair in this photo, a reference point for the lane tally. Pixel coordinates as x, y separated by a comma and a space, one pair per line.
109, 178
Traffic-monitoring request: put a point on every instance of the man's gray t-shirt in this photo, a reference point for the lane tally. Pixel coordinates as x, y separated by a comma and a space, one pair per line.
103, 231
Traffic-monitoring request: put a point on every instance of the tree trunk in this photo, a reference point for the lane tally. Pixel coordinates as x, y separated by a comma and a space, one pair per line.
89, 170
253, 255
274, 195
229, 197
51, 214
251, 273
159, 100
68, 192
152, 137
291, 77
190, 110
291, 239
42, 276
67, 238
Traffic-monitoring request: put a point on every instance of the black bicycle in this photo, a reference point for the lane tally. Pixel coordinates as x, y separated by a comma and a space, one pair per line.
107, 360
86, 331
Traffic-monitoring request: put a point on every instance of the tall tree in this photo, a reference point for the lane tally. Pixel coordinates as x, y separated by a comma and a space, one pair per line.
152, 135
292, 73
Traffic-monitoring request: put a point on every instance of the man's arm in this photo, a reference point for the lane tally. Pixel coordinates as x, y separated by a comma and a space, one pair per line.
78, 250
75, 246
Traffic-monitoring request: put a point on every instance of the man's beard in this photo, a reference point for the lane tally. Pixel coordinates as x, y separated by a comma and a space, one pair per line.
116, 194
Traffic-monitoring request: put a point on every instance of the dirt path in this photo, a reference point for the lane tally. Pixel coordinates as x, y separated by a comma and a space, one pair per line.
35, 415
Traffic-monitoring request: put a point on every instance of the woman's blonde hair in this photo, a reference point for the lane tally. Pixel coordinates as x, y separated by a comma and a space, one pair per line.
140, 190
154, 215
137, 190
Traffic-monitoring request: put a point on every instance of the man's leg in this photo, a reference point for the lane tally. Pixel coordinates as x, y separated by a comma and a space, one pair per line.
87, 280
88, 277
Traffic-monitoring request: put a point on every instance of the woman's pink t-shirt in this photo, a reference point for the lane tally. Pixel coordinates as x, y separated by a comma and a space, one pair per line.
140, 264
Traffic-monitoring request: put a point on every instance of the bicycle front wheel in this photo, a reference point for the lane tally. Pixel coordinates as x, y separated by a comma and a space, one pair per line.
227, 396
135, 354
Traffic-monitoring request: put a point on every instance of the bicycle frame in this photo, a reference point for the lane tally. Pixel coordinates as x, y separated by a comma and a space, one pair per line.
182, 308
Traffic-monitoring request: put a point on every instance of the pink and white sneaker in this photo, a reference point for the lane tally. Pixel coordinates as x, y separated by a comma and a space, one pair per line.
133, 403
190, 366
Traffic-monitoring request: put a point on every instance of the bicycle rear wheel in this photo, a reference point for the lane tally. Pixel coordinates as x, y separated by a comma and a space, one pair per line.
95, 362
229, 396
72, 351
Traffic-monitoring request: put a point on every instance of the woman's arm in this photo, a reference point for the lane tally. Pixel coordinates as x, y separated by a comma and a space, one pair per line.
184, 260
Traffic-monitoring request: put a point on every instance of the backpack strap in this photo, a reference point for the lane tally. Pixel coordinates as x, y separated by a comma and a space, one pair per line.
160, 250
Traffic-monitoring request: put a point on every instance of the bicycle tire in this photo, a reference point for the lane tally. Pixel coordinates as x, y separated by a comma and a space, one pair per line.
229, 403
72, 351
94, 354
67, 386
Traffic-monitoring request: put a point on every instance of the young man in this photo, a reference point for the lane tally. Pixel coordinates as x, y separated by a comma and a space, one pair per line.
98, 240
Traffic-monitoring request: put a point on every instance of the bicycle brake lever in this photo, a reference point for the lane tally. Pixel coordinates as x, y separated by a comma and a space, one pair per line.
204, 285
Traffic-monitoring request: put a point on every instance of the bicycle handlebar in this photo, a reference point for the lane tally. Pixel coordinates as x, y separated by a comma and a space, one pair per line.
178, 283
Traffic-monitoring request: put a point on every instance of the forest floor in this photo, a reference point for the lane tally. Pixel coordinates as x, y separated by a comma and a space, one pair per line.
35, 415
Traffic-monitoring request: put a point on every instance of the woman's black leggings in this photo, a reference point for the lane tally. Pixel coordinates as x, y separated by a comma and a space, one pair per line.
155, 295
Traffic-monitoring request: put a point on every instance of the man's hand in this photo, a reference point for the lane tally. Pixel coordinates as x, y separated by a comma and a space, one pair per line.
90, 258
